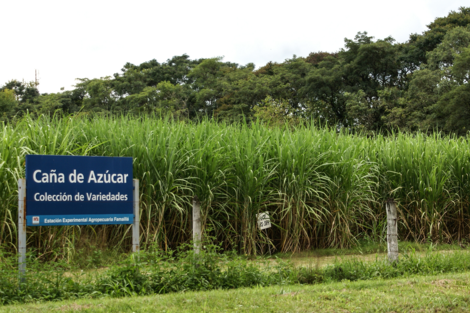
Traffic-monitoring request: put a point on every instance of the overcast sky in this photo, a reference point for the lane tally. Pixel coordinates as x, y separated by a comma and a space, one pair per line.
70, 39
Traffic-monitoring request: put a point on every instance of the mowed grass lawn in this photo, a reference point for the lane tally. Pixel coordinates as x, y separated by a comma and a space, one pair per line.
442, 293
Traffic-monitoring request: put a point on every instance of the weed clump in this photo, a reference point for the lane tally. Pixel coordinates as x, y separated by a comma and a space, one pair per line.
410, 264
157, 272
144, 273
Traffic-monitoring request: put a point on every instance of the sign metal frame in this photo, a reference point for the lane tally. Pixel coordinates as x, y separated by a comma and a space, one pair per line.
23, 222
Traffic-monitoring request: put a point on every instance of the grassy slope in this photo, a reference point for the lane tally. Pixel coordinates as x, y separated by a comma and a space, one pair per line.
449, 292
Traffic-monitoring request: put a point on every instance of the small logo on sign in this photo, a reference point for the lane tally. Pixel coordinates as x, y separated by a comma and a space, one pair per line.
35, 219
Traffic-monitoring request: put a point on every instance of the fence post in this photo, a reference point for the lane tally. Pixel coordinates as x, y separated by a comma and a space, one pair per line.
392, 232
22, 229
197, 225
136, 225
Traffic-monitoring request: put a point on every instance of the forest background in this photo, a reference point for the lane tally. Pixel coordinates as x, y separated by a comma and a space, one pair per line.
369, 86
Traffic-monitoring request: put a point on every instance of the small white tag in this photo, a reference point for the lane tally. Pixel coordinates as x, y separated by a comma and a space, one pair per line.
263, 220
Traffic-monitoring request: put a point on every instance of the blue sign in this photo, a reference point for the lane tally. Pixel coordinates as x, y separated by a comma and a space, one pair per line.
78, 190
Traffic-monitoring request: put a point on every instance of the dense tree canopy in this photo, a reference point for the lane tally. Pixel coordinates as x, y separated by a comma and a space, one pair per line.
369, 85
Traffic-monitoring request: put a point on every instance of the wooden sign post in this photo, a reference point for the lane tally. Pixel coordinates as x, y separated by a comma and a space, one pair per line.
264, 222
392, 232
197, 227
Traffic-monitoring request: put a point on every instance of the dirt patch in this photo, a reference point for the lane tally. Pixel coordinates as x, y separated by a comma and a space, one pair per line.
87, 272
321, 261
443, 282
288, 294
74, 307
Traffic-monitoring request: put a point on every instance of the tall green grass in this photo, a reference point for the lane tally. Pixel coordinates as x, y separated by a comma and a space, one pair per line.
322, 188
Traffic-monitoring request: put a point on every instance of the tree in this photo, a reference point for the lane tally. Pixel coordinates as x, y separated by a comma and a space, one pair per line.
173, 99
431, 38
25, 92
135, 78
7, 103
452, 45
324, 89
461, 67
370, 66
315, 58
453, 110
164, 99
99, 95
66, 102
276, 112
352, 80
364, 113
206, 76
414, 111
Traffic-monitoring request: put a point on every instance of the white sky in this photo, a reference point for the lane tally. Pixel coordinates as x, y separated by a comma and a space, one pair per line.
72, 39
